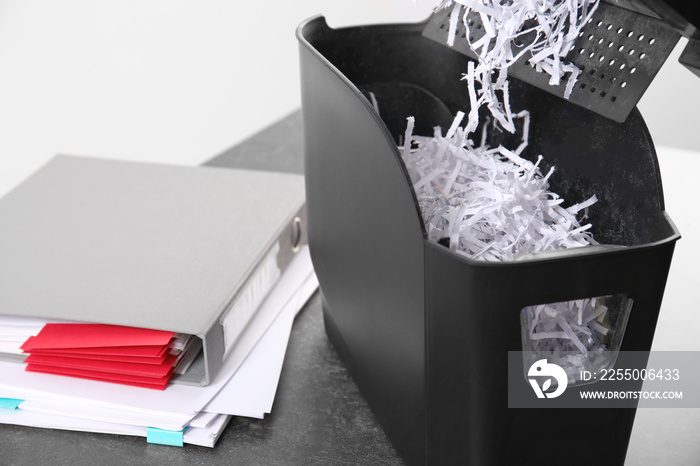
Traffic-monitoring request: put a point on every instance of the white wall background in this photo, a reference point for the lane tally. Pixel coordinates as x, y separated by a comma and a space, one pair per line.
182, 80
163, 80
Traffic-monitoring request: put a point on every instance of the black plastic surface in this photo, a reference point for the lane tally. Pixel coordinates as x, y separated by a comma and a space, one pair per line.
424, 332
379, 307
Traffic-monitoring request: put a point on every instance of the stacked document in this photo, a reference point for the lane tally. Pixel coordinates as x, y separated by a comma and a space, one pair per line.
127, 355
150, 300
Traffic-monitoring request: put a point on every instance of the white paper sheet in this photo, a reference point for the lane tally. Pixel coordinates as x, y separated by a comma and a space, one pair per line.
203, 436
252, 391
15, 330
170, 421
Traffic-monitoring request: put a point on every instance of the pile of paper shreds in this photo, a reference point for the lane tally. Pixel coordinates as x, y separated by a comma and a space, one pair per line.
492, 204
488, 203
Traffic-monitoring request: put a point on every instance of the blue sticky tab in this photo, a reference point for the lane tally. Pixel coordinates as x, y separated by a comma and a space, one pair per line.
165, 437
10, 403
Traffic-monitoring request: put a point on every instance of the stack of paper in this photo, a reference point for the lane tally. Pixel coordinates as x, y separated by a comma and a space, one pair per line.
245, 386
169, 255
180, 414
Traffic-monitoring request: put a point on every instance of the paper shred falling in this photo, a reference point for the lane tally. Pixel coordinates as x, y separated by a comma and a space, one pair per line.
488, 203
544, 30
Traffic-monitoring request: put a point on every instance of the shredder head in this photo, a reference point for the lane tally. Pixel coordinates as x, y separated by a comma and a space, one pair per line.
619, 52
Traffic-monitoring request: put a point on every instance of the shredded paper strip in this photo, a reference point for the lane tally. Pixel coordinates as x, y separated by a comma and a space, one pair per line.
576, 335
545, 30
488, 203
491, 203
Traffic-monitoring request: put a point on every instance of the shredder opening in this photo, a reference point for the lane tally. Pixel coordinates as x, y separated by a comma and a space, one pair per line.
406, 74
589, 156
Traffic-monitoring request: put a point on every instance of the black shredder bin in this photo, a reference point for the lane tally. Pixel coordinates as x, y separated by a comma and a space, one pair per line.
425, 332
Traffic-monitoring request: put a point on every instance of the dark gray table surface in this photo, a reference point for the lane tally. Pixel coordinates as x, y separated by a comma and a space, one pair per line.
319, 416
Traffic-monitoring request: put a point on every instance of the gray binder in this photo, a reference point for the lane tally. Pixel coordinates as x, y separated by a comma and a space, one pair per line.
185, 249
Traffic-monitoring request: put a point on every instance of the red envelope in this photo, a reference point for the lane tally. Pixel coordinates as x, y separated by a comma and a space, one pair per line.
131, 351
109, 353
144, 382
55, 336
105, 357
105, 367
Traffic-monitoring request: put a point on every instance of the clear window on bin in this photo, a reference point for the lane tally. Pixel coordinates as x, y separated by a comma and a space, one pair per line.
579, 335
